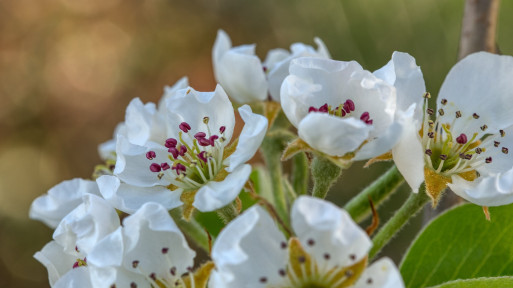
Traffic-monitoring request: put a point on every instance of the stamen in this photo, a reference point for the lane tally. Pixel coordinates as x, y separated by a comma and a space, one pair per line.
496, 143
462, 139
458, 114
184, 126
154, 167
488, 160
222, 129
171, 142
504, 150
502, 133
164, 166
484, 127
475, 116
441, 112
429, 152
430, 111
444, 101
150, 155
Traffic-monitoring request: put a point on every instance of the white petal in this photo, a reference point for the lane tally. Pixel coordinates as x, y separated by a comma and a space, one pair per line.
408, 154
333, 135
75, 278
280, 69
105, 277
238, 70
83, 227
215, 195
129, 198
60, 200
133, 167
383, 274
139, 120
494, 190
169, 91
403, 73
332, 230
108, 251
382, 144
56, 261
107, 149
250, 138
247, 249
191, 106
147, 233
221, 45
481, 83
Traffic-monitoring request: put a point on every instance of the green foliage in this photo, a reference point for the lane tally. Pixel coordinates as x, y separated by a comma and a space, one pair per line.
496, 282
462, 244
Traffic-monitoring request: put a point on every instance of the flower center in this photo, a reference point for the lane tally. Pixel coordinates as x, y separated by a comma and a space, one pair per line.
194, 160
342, 110
450, 152
303, 271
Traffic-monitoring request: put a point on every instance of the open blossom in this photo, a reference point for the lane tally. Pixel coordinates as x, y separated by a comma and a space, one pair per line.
183, 154
246, 78
147, 251
464, 142
328, 251
76, 235
339, 108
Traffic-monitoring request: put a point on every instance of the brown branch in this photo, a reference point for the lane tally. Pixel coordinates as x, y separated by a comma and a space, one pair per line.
479, 27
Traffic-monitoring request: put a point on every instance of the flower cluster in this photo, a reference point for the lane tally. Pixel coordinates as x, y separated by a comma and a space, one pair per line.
131, 225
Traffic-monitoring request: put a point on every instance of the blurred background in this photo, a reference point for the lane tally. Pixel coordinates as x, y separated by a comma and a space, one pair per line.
68, 69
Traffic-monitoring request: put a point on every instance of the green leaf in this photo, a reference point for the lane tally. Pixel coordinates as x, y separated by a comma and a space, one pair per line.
461, 244
496, 282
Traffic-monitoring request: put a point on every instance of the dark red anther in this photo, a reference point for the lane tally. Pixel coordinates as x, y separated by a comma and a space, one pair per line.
75, 265
174, 152
203, 156
312, 109
154, 167
324, 108
213, 139
462, 139
203, 142
183, 150
164, 166
184, 126
222, 129
349, 106
366, 118
200, 135
171, 142
150, 155
179, 168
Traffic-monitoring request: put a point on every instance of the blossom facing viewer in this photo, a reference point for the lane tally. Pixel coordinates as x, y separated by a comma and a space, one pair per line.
245, 78
464, 143
328, 251
187, 158
340, 109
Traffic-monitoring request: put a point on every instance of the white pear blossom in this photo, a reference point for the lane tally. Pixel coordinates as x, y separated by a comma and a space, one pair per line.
61, 200
246, 78
183, 149
147, 251
76, 235
329, 250
340, 108
464, 143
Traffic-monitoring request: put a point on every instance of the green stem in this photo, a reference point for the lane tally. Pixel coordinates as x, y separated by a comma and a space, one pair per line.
324, 174
378, 191
191, 229
413, 205
300, 173
272, 148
